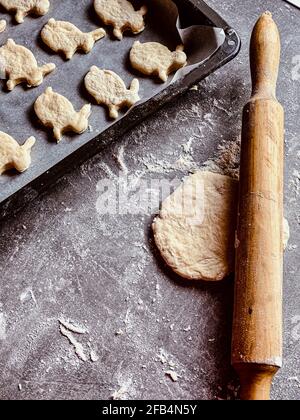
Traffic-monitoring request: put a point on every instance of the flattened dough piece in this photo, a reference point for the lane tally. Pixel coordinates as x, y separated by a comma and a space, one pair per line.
65, 37
194, 248
153, 58
19, 65
22, 8
109, 89
12, 155
121, 15
57, 112
2, 25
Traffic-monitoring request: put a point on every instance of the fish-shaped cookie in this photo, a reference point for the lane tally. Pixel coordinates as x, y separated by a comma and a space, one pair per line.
22, 8
153, 58
12, 155
57, 112
19, 65
65, 37
110, 90
121, 15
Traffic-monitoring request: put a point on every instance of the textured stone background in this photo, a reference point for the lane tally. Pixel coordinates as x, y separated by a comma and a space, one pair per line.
60, 258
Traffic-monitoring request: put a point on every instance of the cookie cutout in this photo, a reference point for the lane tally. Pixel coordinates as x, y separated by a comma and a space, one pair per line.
153, 58
65, 37
109, 89
19, 65
57, 112
121, 15
22, 8
2, 25
12, 155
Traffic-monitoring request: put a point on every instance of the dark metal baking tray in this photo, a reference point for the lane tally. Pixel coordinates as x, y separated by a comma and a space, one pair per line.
51, 161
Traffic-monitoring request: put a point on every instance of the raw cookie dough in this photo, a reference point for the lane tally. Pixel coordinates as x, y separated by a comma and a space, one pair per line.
19, 65
201, 249
65, 37
153, 58
57, 112
109, 89
12, 155
23, 8
192, 247
121, 15
2, 25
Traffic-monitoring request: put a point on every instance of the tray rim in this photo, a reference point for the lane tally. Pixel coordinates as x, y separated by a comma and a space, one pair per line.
230, 48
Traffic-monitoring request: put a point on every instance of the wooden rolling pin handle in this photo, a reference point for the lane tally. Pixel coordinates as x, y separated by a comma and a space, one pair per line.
264, 57
257, 320
256, 381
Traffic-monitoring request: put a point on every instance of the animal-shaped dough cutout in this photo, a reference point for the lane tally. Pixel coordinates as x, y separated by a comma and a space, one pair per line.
57, 112
65, 37
19, 65
121, 15
153, 58
12, 155
2, 25
22, 8
109, 89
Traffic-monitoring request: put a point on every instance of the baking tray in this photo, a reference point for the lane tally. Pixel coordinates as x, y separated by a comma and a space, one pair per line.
210, 43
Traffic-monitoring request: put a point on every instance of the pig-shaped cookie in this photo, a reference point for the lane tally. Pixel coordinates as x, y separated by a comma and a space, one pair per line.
57, 112
65, 37
121, 15
153, 58
12, 155
109, 89
19, 65
22, 8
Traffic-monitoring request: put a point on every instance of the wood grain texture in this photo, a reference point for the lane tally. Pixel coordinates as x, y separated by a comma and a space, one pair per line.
257, 324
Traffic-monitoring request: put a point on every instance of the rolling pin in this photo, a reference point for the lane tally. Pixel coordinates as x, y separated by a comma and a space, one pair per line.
257, 320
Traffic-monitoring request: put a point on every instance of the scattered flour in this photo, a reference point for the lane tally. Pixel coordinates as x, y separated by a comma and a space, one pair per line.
28, 295
120, 159
162, 356
123, 392
72, 327
295, 379
2, 327
120, 394
173, 375
94, 356
295, 182
78, 347
227, 159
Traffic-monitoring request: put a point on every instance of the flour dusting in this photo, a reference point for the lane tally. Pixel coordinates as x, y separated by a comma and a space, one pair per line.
2, 326
94, 356
78, 347
72, 327
227, 159
173, 375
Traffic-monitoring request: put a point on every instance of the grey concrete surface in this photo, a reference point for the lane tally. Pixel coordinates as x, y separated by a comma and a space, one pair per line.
62, 259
